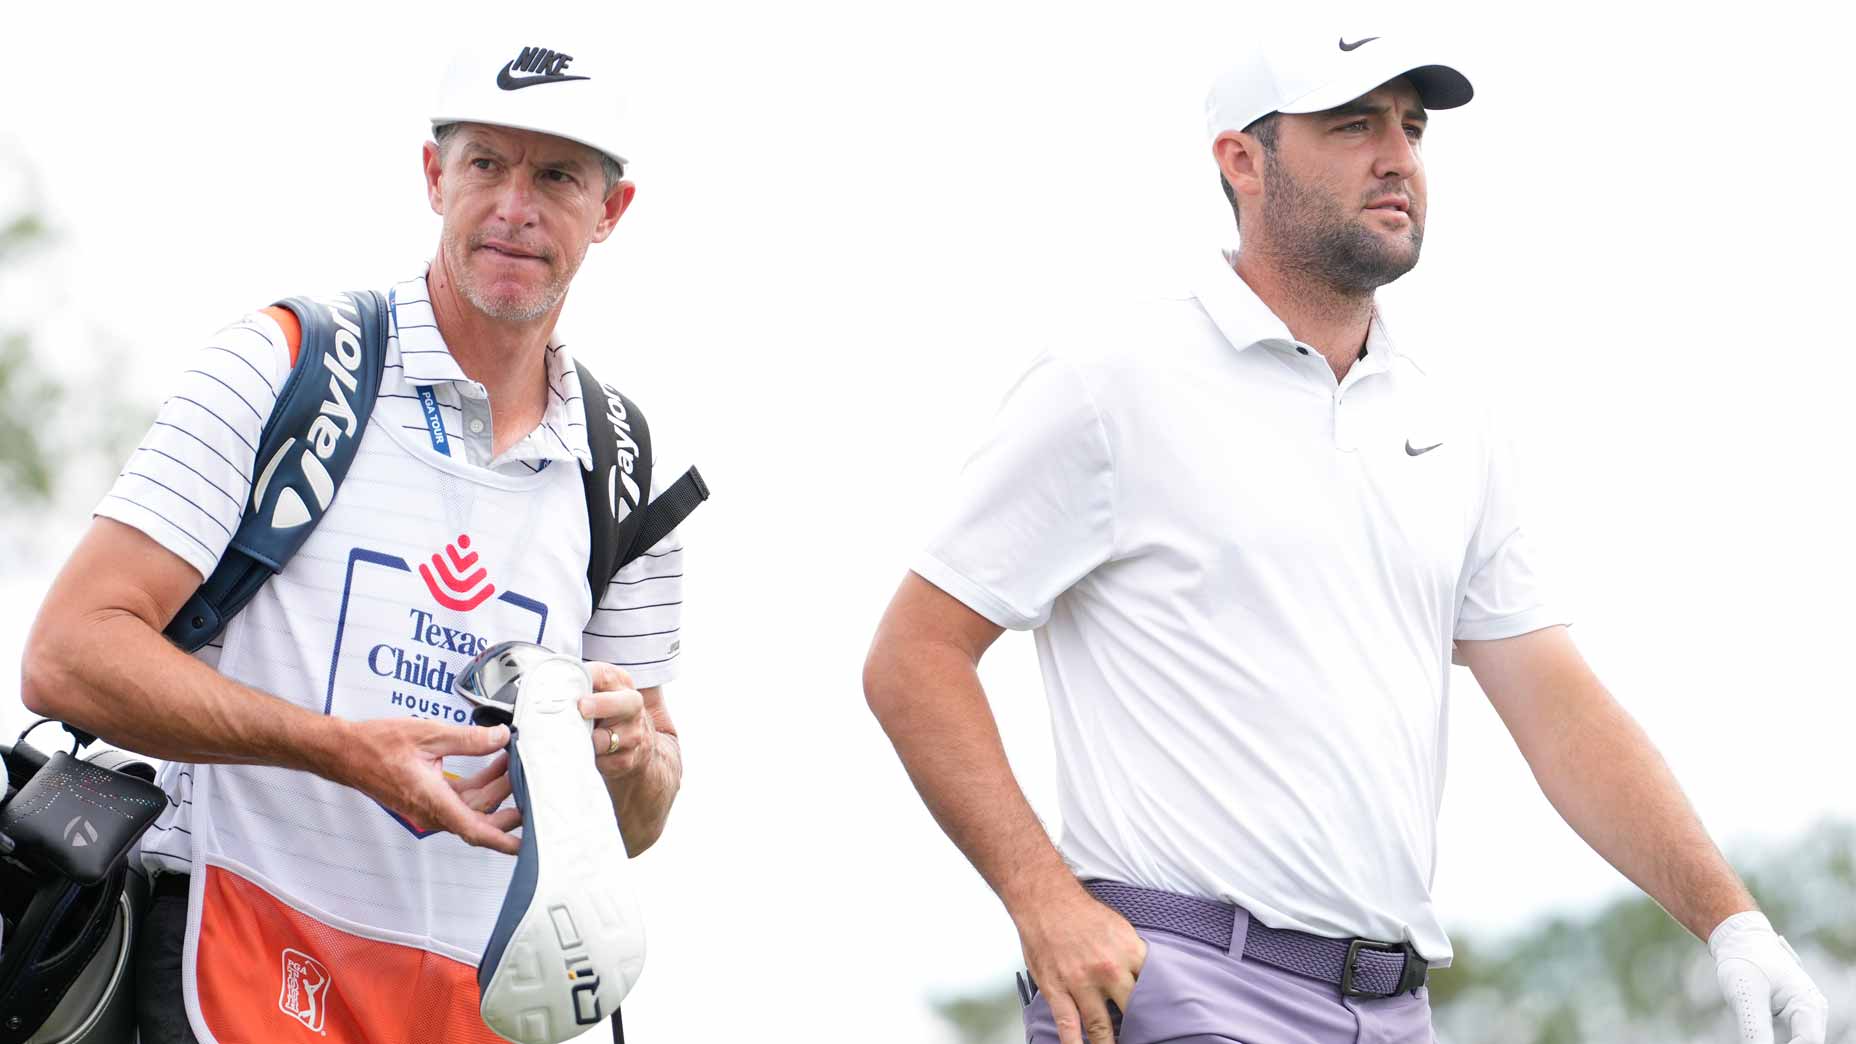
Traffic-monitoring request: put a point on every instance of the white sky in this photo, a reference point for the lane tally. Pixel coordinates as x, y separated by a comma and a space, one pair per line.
855, 224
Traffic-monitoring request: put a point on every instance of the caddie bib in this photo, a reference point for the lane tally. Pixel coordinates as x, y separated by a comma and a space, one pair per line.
316, 914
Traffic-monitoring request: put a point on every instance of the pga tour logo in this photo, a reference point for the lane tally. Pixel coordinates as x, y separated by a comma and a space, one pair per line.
305, 995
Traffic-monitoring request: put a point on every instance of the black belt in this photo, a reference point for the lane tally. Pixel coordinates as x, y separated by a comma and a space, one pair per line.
1360, 967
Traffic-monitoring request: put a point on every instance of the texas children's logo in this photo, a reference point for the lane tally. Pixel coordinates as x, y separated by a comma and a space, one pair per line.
305, 994
405, 630
452, 583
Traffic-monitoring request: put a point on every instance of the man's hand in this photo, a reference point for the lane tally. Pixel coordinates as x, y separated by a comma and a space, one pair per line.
1084, 957
624, 738
1763, 978
400, 762
636, 750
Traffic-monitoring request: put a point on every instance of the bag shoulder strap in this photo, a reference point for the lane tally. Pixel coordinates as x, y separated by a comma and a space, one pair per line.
623, 525
309, 441
666, 512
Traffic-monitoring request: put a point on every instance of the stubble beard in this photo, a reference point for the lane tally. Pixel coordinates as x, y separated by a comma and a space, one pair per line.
1309, 233
518, 307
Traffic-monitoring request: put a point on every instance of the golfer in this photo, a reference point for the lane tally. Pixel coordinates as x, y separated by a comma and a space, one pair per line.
1248, 529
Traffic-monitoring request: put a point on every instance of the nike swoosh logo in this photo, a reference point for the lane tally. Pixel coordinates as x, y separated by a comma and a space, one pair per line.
1345, 46
516, 83
1415, 452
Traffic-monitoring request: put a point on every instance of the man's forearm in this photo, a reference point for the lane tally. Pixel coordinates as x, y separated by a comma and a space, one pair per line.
642, 800
113, 675
1607, 780
929, 700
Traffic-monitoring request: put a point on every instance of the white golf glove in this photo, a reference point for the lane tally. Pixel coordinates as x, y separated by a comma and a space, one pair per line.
1763, 979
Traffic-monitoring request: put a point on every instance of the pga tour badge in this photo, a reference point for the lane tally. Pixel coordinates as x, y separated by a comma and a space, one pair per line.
305, 994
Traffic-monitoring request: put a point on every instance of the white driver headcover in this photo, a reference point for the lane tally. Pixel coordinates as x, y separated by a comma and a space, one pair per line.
569, 942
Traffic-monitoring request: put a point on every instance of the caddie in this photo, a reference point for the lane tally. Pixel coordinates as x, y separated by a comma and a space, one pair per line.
1248, 530
340, 836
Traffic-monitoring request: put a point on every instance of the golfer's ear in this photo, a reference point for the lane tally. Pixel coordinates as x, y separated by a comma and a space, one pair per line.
1240, 160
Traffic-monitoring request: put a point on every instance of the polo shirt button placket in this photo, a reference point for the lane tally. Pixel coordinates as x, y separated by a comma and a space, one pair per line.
1344, 416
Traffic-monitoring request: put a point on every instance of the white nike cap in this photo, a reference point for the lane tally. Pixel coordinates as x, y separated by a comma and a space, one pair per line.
1311, 72
566, 92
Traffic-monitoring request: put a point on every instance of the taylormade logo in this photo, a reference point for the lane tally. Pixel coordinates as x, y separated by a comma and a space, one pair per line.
80, 833
336, 421
628, 450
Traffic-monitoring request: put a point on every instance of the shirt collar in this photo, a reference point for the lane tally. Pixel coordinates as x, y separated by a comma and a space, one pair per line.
1245, 321
424, 359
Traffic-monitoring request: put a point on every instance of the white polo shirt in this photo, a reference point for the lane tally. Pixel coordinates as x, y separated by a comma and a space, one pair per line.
1245, 578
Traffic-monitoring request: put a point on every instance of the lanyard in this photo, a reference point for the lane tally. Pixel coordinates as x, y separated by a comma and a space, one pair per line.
428, 401
434, 421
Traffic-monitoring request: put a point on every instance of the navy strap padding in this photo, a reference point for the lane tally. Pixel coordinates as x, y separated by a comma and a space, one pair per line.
308, 443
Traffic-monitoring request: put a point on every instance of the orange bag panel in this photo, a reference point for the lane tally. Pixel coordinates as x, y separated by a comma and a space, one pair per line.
267, 972
293, 329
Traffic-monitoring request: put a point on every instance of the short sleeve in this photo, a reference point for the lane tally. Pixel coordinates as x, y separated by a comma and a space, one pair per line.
1503, 592
1033, 511
638, 624
186, 483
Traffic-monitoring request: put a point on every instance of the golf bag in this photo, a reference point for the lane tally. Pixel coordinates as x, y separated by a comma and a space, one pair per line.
70, 902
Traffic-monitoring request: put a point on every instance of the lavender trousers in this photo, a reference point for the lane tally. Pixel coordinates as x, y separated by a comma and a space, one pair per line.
1192, 993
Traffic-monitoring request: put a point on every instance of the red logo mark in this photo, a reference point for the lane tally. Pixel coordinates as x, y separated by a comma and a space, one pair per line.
455, 575
305, 993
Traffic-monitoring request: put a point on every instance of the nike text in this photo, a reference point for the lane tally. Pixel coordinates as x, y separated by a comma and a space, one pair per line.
540, 61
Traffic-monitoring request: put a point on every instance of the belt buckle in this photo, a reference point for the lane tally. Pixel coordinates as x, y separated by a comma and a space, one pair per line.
1412, 973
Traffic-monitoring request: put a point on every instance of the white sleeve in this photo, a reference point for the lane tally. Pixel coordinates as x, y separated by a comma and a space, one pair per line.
1034, 510
638, 625
1502, 593
186, 484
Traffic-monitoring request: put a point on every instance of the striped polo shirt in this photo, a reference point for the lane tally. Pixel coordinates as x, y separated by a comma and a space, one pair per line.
187, 483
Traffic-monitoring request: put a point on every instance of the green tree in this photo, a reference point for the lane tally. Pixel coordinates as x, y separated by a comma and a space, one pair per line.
58, 448
984, 1018
29, 399
1627, 972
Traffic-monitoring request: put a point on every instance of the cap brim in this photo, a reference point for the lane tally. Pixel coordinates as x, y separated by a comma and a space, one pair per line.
1438, 86
492, 121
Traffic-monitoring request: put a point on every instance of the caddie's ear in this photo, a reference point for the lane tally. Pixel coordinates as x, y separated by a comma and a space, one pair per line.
434, 178
616, 201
